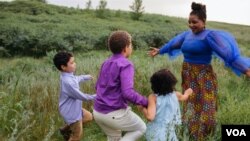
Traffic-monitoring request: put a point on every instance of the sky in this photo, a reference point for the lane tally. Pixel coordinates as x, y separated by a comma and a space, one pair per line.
229, 11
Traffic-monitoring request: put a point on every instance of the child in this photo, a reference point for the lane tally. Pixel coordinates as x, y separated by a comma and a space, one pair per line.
114, 90
163, 111
70, 101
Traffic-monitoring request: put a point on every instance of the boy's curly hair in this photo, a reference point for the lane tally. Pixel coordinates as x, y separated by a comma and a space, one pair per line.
118, 40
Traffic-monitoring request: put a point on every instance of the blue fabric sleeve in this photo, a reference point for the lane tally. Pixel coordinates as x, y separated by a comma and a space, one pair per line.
75, 93
226, 48
173, 47
83, 78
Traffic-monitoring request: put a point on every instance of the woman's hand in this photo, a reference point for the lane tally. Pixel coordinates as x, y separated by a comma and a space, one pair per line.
248, 73
153, 51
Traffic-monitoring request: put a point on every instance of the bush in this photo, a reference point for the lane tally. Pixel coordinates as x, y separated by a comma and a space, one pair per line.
102, 42
16, 41
155, 39
137, 41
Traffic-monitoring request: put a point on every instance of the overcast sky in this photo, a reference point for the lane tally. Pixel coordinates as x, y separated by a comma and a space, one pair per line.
230, 11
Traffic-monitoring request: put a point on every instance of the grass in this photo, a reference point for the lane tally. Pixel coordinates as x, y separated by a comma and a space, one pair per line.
29, 87
30, 28
29, 90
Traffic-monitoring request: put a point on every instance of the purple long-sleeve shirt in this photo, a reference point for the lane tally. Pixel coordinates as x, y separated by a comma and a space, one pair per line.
114, 87
70, 100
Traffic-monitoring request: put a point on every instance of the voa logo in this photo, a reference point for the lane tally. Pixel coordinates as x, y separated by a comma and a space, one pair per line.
236, 132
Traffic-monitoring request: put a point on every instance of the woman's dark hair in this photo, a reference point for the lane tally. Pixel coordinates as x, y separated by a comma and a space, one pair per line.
163, 82
118, 40
61, 58
199, 10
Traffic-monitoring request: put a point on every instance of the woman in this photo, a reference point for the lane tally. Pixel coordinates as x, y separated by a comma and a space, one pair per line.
197, 46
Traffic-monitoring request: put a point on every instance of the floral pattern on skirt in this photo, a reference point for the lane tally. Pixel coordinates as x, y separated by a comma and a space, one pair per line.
200, 109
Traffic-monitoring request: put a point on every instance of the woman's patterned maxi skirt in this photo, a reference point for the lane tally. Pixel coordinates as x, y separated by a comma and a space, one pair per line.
200, 109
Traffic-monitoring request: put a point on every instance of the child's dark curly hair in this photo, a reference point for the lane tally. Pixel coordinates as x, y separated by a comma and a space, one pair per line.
163, 82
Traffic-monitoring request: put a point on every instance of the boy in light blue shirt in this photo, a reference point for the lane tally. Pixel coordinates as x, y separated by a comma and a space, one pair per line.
70, 100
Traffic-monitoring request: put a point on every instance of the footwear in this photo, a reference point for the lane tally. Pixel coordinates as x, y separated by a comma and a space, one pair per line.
65, 133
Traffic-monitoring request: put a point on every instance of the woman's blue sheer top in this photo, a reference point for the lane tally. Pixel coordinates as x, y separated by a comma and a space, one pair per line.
198, 49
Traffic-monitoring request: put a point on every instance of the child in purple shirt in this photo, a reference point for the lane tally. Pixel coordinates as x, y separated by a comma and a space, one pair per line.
115, 88
70, 100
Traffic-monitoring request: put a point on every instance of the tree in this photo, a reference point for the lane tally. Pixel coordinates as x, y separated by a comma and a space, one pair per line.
137, 9
88, 5
43, 1
101, 11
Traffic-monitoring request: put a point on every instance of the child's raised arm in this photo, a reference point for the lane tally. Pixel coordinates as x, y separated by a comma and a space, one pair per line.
183, 97
150, 111
82, 78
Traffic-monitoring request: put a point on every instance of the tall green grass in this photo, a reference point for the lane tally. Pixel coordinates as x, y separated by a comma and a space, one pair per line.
29, 87
29, 90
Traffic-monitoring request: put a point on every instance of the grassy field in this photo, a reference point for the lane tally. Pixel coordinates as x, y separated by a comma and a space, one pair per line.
30, 28
30, 34
29, 90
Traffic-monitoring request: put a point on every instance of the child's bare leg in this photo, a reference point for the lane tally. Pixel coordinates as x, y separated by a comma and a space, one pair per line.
65, 131
76, 131
87, 116
65, 127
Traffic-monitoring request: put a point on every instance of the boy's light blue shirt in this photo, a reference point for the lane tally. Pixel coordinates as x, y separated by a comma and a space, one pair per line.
70, 100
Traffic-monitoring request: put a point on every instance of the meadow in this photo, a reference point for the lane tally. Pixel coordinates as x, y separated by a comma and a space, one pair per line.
30, 89
31, 33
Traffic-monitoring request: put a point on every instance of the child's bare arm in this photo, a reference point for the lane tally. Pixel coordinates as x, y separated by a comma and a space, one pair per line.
183, 97
142, 109
150, 111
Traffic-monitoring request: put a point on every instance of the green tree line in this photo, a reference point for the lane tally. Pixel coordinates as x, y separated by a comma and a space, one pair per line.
33, 28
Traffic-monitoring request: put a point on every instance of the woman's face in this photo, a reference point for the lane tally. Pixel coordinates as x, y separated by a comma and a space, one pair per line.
195, 24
